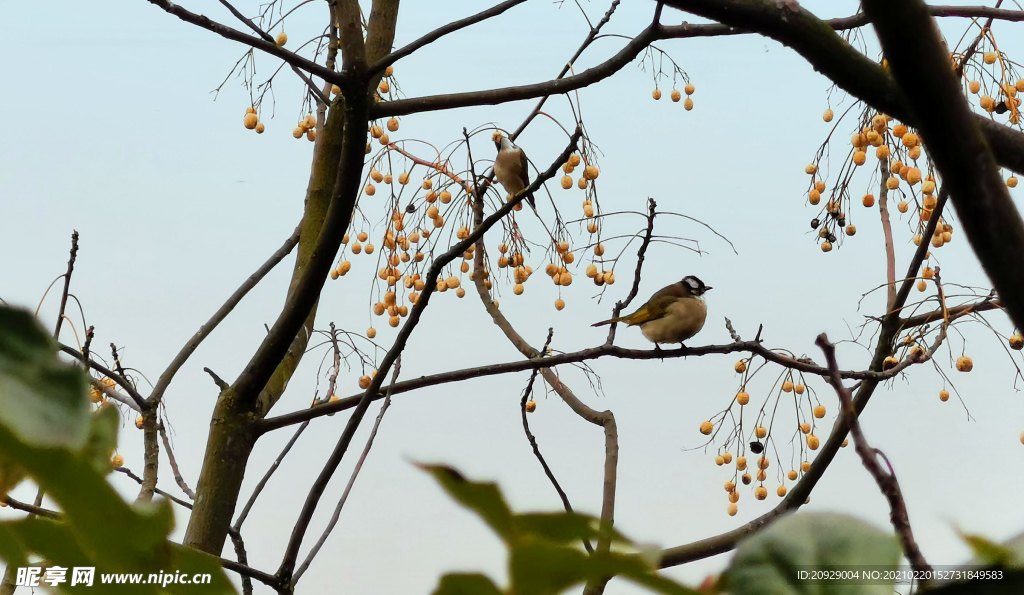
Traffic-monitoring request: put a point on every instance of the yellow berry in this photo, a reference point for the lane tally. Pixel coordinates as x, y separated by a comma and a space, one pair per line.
729, 486
792, 475
851, 230
1017, 342
364, 382
689, 88
943, 395
827, 116
799, 388
805, 466
705, 426
531, 406
719, 460
903, 206
826, 246
763, 463
760, 492
567, 182
819, 411
787, 386
975, 86
559, 304
656, 94
859, 157
727, 457
139, 422
732, 509
760, 431
741, 463
1011, 181
812, 442
964, 364
676, 96
742, 398
282, 38
384, 87
991, 57
921, 285
117, 461
740, 367
393, 124
781, 491
805, 428
688, 104
369, 248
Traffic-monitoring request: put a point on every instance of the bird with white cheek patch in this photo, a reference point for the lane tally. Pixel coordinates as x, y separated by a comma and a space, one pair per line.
672, 315
511, 167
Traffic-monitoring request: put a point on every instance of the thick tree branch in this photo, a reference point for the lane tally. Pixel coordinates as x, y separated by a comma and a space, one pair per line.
920, 65
830, 55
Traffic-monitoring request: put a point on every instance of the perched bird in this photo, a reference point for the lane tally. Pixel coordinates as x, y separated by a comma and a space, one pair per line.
672, 315
511, 168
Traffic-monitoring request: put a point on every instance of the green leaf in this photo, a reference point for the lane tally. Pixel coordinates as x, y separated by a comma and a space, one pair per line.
991, 553
563, 527
768, 562
485, 499
42, 399
466, 584
539, 567
102, 439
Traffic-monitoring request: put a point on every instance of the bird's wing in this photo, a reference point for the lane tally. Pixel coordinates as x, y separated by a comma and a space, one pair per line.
524, 168
654, 309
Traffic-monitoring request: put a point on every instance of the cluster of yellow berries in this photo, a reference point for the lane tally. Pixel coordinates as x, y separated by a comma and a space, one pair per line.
96, 395
307, 127
676, 96
252, 121
384, 88
1007, 90
590, 173
760, 492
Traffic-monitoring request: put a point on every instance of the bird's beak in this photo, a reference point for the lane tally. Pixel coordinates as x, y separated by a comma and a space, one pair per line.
708, 288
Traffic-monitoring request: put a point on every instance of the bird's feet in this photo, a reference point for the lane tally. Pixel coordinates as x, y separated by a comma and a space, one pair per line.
658, 349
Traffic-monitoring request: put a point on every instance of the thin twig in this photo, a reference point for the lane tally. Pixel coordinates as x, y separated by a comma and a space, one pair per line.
67, 284
620, 305
243, 558
174, 464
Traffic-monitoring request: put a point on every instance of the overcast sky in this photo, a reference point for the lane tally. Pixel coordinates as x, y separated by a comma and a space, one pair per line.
109, 127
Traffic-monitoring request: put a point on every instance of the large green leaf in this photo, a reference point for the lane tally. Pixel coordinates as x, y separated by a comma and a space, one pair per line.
769, 561
545, 555
483, 498
46, 432
42, 399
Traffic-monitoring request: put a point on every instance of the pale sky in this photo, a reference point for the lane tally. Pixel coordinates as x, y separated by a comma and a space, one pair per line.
109, 127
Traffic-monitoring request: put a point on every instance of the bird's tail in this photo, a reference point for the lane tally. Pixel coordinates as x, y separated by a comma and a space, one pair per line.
611, 320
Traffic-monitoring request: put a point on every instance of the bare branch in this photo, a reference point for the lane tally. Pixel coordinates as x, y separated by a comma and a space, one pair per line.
617, 310
29, 508
269, 47
67, 284
204, 331
869, 457
174, 464
440, 32
120, 380
266, 37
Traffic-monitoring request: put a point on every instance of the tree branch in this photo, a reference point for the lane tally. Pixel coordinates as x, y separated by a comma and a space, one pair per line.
174, 464
920, 65
67, 284
830, 55
869, 457
267, 46
120, 380
204, 331
617, 310
440, 32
